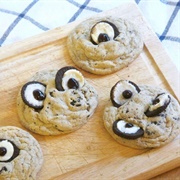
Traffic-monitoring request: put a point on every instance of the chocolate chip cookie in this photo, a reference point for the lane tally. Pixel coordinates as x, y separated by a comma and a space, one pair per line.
141, 116
56, 102
20, 154
103, 45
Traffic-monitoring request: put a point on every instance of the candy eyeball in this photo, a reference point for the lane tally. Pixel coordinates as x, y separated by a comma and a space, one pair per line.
8, 150
103, 31
122, 91
33, 94
69, 78
159, 104
127, 130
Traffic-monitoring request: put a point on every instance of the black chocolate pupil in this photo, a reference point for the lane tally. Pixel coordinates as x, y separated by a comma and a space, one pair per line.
73, 84
127, 94
156, 101
103, 37
3, 151
128, 125
39, 95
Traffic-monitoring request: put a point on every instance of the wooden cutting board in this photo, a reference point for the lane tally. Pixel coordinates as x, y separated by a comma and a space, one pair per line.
90, 152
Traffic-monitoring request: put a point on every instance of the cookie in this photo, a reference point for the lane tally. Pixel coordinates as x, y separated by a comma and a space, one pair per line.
141, 116
20, 154
103, 45
56, 102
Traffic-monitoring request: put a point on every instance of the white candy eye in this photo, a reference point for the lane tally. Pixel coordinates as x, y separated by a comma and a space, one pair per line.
33, 94
8, 151
122, 91
159, 104
103, 31
69, 78
72, 79
127, 130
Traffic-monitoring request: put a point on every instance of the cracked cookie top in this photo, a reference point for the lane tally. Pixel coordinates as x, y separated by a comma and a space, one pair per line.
104, 45
21, 156
56, 102
141, 116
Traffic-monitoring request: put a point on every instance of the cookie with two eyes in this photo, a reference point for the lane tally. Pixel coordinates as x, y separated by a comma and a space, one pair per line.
21, 156
141, 116
103, 45
56, 102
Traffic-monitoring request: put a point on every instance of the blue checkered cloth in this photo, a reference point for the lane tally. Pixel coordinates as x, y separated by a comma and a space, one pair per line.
23, 19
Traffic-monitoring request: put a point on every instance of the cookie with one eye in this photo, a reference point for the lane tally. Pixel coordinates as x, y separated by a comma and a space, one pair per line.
103, 45
141, 116
21, 156
56, 101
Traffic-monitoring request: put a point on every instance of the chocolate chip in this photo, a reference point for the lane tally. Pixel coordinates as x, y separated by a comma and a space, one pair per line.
127, 94
78, 105
103, 37
3, 151
51, 94
39, 95
148, 133
3, 169
73, 84
73, 102
155, 122
156, 101
129, 125
176, 119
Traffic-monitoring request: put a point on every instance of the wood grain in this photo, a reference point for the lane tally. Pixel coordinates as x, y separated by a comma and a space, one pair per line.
138, 167
90, 152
